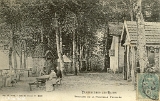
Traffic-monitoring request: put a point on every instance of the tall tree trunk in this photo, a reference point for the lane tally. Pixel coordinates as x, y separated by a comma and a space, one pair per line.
25, 60
131, 10
61, 45
74, 52
41, 34
10, 58
141, 42
58, 48
105, 39
14, 58
25, 54
81, 56
87, 58
61, 66
61, 50
105, 51
21, 55
77, 53
86, 53
14, 54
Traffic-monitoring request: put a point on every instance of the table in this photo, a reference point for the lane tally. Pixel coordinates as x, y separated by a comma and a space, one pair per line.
40, 81
42, 78
34, 83
28, 70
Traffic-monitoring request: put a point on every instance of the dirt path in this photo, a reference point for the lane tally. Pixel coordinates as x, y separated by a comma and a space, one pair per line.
85, 86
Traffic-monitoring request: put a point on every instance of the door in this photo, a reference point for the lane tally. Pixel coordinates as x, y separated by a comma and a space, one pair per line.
125, 64
48, 65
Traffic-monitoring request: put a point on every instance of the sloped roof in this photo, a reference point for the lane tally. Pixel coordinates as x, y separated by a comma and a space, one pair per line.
152, 32
66, 59
115, 28
44, 51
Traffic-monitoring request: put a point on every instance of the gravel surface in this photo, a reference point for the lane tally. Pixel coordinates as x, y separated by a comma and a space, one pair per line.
85, 86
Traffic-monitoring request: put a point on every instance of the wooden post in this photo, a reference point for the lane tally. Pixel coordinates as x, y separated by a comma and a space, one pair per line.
159, 57
133, 65
125, 64
141, 41
21, 54
61, 50
74, 53
128, 62
41, 34
156, 58
74, 47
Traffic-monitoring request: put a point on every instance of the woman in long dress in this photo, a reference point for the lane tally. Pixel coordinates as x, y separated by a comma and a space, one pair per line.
4, 77
52, 81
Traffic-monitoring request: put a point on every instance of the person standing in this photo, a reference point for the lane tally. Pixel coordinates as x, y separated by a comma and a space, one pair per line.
43, 71
9, 78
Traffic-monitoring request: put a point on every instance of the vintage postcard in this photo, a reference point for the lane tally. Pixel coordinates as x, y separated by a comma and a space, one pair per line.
79, 50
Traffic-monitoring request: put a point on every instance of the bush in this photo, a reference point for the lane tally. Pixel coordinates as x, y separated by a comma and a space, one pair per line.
152, 70
97, 63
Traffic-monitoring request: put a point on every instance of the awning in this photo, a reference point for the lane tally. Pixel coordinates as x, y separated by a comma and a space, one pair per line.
66, 59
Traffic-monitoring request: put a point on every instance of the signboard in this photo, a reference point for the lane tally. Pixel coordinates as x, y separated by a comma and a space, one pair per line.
111, 52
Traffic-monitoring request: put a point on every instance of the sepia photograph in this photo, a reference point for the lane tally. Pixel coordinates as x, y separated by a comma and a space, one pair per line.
79, 50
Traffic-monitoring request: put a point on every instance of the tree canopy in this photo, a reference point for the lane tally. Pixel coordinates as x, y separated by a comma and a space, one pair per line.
34, 19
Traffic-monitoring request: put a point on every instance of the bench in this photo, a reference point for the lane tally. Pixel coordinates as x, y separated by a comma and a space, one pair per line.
59, 81
34, 83
50, 86
39, 83
13, 82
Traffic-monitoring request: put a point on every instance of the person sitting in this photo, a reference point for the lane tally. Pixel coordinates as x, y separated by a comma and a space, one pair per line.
52, 75
52, 81
43, 71
59, 76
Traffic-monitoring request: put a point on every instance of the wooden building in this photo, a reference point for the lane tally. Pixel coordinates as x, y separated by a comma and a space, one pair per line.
116, 51
129, 42
43, 57
67, 64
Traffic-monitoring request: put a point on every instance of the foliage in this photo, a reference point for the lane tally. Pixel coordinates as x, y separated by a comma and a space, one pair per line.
28, 19
97, 62
150, 10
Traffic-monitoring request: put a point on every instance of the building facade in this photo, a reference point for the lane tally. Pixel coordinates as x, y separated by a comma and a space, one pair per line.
129, 42
116, 51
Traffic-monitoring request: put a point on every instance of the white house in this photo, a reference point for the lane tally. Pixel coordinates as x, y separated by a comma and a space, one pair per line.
116, 51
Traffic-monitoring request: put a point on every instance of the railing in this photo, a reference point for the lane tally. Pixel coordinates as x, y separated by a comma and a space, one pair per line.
16, 74
16, 71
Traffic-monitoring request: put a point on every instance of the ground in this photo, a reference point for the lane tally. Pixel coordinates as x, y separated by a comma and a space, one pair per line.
85, 86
